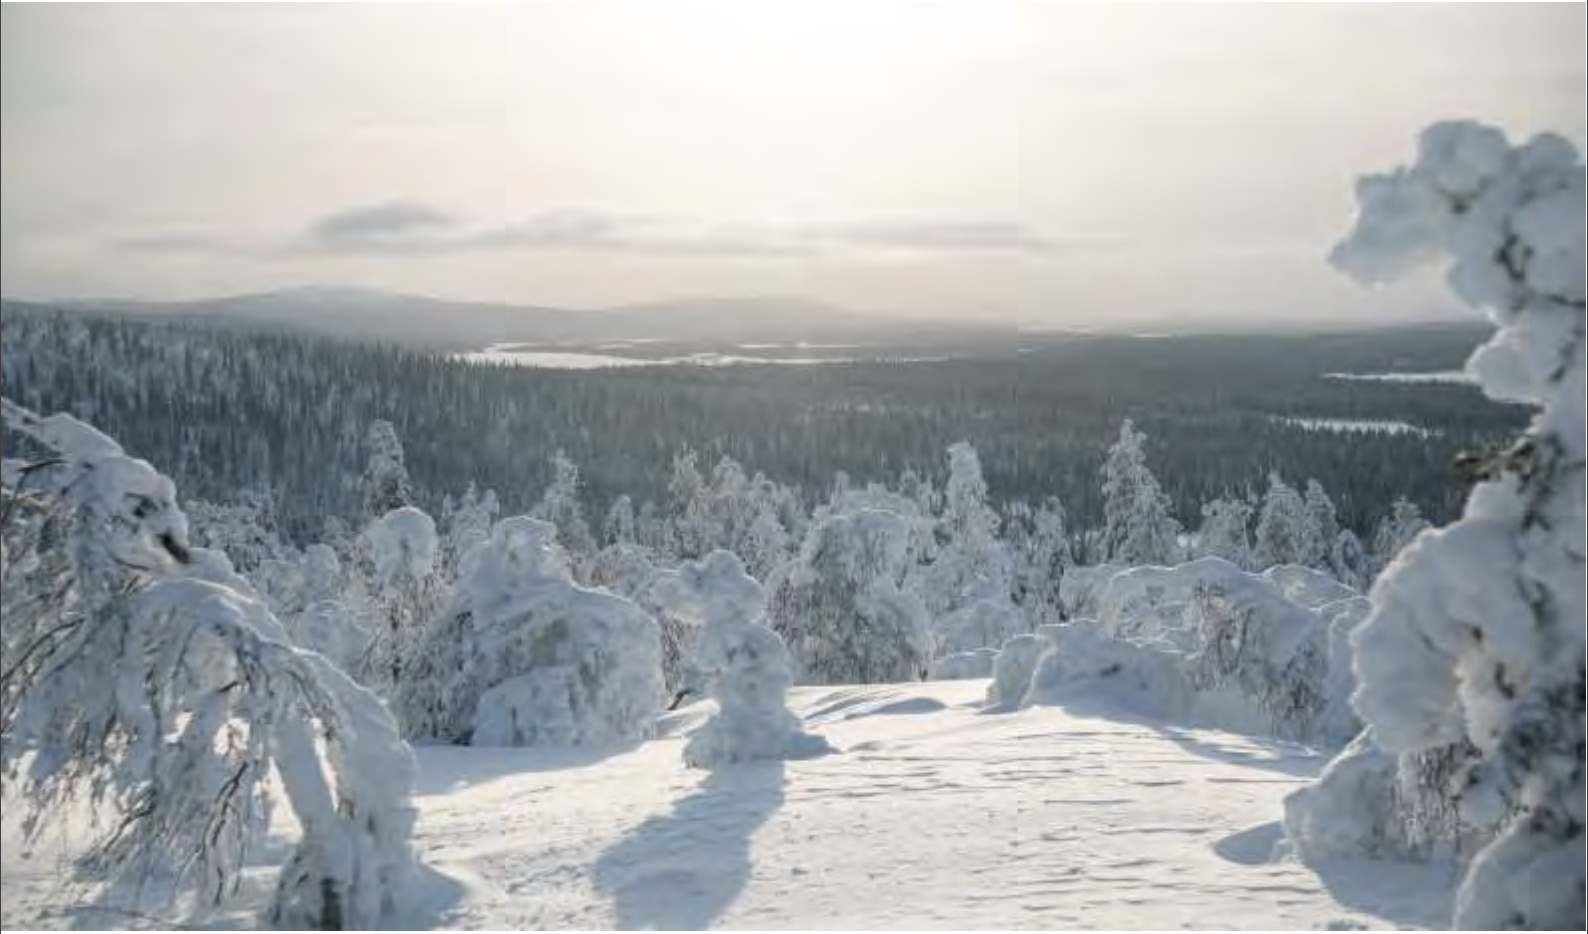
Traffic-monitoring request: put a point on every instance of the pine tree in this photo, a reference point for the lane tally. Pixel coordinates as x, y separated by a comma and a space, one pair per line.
1226, 532
618, 526
971, 564
563, 506
385, 484
1323, 526
1395, 531
1138, 527
689, 531
1284, 532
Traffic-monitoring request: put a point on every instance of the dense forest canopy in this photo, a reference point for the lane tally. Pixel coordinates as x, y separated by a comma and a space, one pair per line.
231, 409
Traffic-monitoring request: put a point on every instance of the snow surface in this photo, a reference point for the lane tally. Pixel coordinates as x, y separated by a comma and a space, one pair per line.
933, 815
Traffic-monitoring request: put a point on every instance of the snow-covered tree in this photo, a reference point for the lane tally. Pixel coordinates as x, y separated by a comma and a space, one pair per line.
141, 678
1348, 562
971, 564
618, 526
1476, 632
1284, 533
690, 531
1138, 526
402, 547
764, 542
1323, 526
623, 565
1394, 532
523, 656
980, 624
1040, 544
740, 662
245, 529
1226, 532
327, 624
464, 524
1204, 643
840, 610
562, 505
384, 485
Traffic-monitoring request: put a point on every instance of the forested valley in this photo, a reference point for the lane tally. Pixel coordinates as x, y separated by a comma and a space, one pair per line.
280, 419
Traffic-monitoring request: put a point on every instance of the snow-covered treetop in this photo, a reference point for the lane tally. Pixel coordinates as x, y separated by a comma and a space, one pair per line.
143, 526
868, 545
714, 590
322, 573
522, 554
1511, 221
403, 544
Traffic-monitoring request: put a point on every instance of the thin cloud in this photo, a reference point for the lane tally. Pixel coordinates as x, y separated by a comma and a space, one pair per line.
378, 224
413, 228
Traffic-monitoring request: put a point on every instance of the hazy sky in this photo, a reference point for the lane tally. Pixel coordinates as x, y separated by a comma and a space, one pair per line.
1053, 162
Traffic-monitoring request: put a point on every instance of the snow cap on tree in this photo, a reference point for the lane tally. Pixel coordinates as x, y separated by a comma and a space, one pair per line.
1476, 632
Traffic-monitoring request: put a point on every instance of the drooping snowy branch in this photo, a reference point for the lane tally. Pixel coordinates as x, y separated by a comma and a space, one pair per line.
144, 677
1476, 633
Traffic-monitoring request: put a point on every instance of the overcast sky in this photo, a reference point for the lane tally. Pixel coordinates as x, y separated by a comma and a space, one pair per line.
1061, 163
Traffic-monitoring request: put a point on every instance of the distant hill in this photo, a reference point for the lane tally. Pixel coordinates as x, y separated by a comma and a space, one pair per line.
705, 322
430, 322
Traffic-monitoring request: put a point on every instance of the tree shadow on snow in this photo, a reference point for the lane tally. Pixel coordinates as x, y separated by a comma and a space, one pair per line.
1260, 752
445, 769
682, 869
1405, 894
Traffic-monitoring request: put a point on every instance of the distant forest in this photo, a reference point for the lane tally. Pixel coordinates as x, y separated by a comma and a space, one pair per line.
224, 410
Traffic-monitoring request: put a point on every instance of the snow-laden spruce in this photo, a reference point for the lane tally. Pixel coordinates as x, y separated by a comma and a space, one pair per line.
1476, 633
403, 592
523, 656
1040, 546
971, 565
146, 679
1202, 644
741, 663
839, 607
384, 485
1138, 525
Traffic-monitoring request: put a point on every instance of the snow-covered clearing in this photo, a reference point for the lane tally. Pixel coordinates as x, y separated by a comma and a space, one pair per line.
933, 814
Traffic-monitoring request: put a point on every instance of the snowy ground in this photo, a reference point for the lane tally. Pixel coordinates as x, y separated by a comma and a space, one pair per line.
933, 815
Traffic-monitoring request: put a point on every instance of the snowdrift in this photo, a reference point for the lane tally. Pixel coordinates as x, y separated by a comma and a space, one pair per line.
1202, 643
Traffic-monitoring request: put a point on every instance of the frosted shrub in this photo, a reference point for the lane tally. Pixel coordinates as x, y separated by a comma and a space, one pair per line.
1205, 643
523, 656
